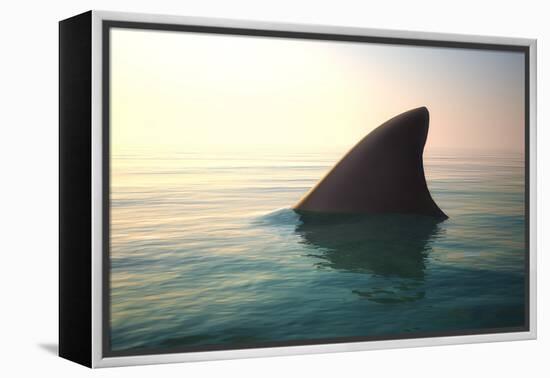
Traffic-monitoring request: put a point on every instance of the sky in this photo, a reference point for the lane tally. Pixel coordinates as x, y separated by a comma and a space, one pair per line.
203, 92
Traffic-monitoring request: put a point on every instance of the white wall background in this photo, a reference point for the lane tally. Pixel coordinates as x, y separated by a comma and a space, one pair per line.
28, 158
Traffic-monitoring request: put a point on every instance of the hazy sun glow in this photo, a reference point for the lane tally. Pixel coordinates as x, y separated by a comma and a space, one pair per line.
192, 91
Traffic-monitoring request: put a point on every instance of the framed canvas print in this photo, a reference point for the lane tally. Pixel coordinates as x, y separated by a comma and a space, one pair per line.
234, 189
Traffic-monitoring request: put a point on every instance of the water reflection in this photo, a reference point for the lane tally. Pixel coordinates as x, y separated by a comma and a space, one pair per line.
391, 249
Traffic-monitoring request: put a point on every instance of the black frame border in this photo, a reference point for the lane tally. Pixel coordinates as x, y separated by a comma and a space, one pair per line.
107, 25
75, 184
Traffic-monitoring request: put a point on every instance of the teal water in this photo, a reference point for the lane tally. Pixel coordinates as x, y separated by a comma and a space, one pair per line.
206, 252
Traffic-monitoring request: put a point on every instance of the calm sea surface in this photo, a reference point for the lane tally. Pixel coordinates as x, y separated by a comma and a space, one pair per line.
205, 251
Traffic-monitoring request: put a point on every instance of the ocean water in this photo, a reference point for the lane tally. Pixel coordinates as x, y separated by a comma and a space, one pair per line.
206, 253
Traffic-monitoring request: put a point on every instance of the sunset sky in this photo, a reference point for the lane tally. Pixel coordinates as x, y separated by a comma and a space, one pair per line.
190, 91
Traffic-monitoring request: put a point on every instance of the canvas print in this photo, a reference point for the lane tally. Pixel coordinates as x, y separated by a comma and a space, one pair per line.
274, 191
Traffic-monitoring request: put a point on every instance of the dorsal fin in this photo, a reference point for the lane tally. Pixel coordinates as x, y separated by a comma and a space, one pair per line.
383, 173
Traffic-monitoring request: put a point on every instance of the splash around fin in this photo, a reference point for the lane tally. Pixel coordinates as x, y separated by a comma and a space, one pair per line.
383, 173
